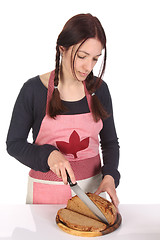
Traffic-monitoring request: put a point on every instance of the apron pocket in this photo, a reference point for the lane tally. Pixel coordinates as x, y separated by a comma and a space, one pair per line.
51, 194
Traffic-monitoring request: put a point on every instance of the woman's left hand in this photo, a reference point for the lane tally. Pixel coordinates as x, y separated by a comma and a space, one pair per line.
108, 185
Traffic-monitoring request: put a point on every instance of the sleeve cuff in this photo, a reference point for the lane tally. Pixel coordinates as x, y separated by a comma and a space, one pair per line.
43, 155
112, 172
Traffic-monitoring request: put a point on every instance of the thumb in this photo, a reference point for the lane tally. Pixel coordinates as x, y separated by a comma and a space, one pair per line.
98, 191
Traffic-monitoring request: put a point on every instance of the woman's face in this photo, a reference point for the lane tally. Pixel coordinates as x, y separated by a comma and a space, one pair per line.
85, 60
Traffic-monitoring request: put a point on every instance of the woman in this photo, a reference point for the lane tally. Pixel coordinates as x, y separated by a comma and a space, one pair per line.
67, 109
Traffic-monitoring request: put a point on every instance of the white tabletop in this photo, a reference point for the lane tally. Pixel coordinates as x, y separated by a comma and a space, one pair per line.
37, 222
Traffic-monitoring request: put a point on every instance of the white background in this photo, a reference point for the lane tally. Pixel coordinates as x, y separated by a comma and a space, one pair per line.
29, 30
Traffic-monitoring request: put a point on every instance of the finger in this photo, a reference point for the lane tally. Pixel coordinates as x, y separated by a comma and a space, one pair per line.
114, 199
56, 170
53, 170
116, 203
58, 173
98, 191
64, 176
71, 174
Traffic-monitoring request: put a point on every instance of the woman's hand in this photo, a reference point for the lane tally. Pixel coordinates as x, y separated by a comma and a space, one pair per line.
108, 185
59, 164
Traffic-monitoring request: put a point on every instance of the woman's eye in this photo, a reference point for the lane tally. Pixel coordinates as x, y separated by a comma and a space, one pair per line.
81, 57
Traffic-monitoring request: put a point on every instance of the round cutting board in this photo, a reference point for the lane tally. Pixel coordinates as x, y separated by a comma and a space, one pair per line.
89, 234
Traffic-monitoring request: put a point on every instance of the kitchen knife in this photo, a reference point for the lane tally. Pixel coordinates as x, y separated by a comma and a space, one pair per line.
88, 202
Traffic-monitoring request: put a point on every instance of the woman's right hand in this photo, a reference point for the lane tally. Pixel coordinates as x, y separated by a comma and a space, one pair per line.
59, 164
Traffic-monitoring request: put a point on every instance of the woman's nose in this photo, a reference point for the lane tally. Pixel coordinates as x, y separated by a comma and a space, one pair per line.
89, 66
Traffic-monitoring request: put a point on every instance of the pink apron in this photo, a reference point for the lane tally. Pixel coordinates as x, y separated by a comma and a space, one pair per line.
76, 136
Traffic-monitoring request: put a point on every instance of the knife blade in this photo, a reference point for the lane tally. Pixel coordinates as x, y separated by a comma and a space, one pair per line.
86, 200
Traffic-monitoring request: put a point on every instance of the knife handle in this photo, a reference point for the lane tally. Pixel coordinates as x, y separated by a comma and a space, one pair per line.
69, 180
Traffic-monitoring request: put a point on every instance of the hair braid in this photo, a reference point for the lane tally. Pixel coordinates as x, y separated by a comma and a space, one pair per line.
56, 78
90, 83
55, 105
98, 111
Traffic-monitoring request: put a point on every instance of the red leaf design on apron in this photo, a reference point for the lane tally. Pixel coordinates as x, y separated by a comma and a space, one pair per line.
74, 145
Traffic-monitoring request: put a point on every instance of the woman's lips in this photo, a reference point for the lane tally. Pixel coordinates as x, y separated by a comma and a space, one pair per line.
83, 74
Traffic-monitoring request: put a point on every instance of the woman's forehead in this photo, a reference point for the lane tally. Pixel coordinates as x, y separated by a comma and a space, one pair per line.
91, 46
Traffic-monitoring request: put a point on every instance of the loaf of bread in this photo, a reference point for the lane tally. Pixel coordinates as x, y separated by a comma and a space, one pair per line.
107, 208
79, 217
80, 222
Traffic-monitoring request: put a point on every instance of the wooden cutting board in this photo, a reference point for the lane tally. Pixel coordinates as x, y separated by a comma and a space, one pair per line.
89, 234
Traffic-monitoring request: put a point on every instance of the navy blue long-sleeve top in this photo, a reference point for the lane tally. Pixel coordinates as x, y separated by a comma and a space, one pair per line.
28, 113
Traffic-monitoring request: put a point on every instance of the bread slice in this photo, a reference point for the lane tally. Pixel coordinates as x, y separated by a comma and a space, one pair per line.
107, 208
80, 222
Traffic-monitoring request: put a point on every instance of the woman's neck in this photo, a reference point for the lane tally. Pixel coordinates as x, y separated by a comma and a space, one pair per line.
66, 78
70, 88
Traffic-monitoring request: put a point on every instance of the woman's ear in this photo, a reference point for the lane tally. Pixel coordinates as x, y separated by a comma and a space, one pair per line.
61, 49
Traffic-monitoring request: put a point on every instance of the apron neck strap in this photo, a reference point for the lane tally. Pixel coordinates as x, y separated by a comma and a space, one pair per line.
51, 89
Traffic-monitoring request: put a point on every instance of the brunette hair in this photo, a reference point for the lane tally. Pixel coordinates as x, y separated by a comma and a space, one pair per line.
77, 30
